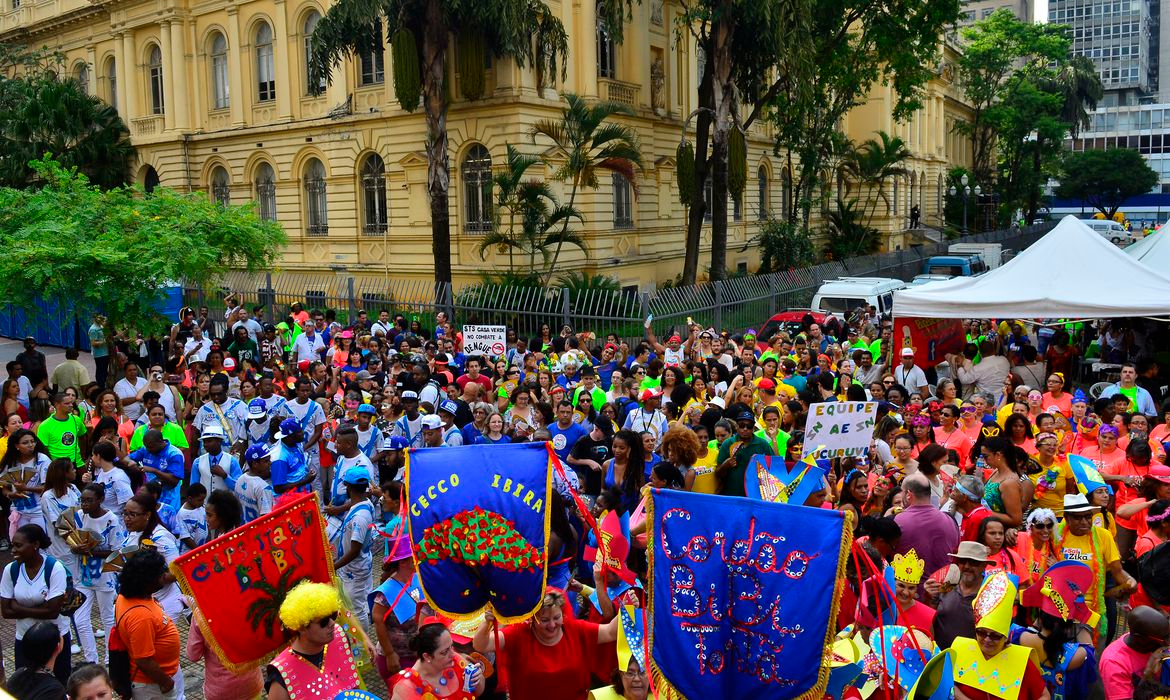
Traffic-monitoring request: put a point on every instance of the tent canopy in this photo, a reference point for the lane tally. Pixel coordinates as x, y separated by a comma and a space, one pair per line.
1154, 249
1072, 272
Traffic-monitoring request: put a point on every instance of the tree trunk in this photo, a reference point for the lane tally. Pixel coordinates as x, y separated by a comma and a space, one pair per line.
698, 210
1034, 189
720, 60
438, 167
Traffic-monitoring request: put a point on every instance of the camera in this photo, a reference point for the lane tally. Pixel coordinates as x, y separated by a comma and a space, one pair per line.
157, 376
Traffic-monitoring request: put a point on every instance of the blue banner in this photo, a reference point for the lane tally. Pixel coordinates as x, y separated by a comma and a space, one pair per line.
743, 595
479, 522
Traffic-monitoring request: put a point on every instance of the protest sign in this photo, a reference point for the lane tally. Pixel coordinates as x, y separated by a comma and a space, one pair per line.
239, 580
932, 339
485, 340
743, 601
479, 521
839, 429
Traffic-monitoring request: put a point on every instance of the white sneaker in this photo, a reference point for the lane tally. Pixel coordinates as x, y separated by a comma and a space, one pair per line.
99, 633
74, 649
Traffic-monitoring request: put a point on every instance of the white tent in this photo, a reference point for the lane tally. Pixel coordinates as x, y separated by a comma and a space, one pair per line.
1154, 249
1072, 272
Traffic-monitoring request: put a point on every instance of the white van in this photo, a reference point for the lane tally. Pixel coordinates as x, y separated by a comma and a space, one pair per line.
1112, 230
842, 296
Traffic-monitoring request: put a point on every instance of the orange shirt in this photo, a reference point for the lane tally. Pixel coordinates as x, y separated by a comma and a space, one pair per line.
958, 441
1125, 494
147, 633
1064, 403
1107, 463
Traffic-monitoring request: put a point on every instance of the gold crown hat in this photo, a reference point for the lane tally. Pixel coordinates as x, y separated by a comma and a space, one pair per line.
994, 603
908, 568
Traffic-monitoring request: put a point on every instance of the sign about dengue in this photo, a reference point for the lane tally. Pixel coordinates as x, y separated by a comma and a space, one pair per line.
485, 340
839, 429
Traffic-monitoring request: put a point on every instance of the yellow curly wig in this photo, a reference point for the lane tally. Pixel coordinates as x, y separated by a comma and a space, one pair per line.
306, 602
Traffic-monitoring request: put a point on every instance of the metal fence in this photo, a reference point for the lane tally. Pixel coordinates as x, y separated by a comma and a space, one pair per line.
734, 304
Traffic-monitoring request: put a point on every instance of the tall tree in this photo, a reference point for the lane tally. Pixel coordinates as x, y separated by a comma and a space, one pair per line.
526, 31
590, 143
42, 112
856, 45
995, 48
1105, 178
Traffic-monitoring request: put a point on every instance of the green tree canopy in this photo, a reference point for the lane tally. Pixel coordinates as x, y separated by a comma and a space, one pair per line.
1105, 178
41, 112
114, 250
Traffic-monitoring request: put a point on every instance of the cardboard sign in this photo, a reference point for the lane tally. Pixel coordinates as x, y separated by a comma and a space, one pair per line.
932, 339
839, 429
485, 340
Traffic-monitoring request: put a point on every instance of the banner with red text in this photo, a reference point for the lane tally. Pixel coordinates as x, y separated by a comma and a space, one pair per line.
743, 600
931, 338
238, 580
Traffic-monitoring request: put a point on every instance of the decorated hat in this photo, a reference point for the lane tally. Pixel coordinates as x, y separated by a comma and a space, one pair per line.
994, 602
903, 651
256, 453
1061, 592
399, 548
908, 568
773, 479
631, 641
1079, 397
845, 664
937, 680
615, 545
1086, 474
257, 409
288, 427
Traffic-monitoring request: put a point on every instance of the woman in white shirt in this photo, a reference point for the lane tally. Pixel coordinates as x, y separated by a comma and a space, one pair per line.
32, 588
115, 482
25, 452
60, 495
140, 515
92, 515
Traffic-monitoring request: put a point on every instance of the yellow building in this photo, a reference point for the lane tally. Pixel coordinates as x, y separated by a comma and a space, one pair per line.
216, 97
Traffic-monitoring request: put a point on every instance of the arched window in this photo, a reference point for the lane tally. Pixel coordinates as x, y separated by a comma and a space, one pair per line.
220, 84
112, 82
150, 179
606, 49
623, 202
157, 106
477, 189
376, 216
373, 61
762, 192
310, 26
81, 75
266, 192
316, 205
221, 187
265, 64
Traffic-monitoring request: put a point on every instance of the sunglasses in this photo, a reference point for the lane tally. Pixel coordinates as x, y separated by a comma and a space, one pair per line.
327, 621
989, 635
967, 409
888, 382
1044, 526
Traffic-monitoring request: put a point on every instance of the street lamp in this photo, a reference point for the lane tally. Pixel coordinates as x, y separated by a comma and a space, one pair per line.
966, 191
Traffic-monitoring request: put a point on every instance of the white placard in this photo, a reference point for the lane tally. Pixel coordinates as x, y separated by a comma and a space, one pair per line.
839, 429
485, 340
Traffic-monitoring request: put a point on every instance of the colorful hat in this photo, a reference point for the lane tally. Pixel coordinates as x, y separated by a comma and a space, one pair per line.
937, 680
256, 453
1079, 397
631, 641
615, 545
994, 602
908, 568
903, 652
772, 479
1086, 474
257, 409
399, 548
1061, 592
845, 664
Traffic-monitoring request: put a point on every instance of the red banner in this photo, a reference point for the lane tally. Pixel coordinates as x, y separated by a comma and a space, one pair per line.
932, 339
238, 580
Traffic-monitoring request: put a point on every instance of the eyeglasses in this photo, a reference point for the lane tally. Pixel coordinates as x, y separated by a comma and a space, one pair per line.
126, 515
1043, 526
989, 635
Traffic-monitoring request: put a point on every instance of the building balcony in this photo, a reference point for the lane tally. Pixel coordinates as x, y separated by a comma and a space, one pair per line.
617, 91
147, 126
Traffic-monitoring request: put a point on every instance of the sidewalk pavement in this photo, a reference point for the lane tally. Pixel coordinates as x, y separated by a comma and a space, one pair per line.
11, 347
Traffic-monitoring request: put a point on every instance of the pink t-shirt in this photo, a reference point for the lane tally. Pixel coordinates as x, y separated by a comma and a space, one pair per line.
1121, 667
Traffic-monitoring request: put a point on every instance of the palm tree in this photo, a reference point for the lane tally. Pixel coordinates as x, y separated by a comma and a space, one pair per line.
524, 30
590, 144
1079, 83
533, 205
874, 163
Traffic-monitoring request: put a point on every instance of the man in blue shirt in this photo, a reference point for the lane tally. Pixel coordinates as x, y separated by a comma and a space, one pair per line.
290, 465
163, 462
565, 433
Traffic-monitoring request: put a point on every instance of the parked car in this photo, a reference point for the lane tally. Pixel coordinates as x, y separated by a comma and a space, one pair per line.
789, 321
844, 295
966, 265
1112, 230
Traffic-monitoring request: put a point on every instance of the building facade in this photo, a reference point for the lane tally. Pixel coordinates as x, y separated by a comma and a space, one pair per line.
1121, 37
217, 100
975, 10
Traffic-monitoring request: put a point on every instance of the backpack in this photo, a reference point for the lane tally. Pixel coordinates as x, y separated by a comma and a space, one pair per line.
74, 599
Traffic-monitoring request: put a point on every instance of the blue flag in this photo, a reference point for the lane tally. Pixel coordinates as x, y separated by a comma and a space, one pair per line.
479, 523
743, 595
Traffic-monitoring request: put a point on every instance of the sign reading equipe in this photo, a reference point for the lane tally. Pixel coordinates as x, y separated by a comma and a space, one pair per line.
238, 580
485, 340
743, 600
932, 339
839, 429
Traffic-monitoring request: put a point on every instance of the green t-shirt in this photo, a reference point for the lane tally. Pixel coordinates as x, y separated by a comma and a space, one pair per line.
247, 350
733, 481
171, 432
63, 437
597, 394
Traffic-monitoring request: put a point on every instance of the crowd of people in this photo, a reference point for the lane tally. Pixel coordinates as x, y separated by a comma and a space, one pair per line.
182, 439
